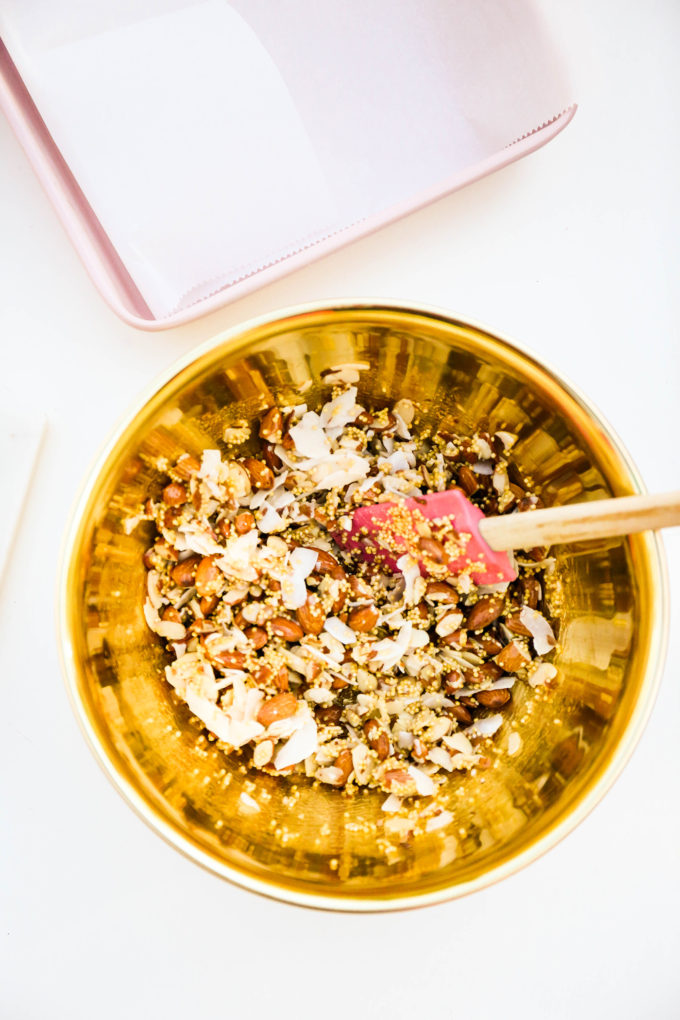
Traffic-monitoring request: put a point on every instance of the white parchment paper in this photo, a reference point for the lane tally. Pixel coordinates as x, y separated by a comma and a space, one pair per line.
212, 139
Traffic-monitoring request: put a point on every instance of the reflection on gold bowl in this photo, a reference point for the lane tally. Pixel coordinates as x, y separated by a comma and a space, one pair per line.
321, 848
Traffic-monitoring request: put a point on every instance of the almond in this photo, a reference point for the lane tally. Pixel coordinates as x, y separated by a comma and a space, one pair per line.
329, 716
229, 660
281, 706
460, 713
171, 614
209, 604
484, 612
489, 644
261, 476
433, 549
363, 619
287, 629
345, 764
493, 699
377, 739
244, 522
174, 494
209, 577
359, 588
272, 460
453, 680
257, 636
326, 563
186, 467
271, 426
512, 657
440, 591
467, 480
183, 574
312, 615
515, 625
281, 679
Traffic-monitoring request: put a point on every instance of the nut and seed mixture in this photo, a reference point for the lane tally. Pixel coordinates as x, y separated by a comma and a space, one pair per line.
311, 660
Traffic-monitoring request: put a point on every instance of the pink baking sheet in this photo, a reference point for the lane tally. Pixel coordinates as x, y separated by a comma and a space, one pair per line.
197, 150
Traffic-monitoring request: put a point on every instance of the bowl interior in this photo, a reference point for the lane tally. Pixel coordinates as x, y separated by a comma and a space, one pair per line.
301, 841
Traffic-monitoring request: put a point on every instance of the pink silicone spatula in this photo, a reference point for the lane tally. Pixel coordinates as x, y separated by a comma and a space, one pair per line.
476, 544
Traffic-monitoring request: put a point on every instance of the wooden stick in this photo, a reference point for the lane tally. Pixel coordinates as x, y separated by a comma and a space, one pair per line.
579, 522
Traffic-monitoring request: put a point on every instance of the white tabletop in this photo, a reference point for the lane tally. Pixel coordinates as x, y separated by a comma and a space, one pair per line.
574, 252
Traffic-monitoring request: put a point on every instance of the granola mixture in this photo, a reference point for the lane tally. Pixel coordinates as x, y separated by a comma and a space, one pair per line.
317, 663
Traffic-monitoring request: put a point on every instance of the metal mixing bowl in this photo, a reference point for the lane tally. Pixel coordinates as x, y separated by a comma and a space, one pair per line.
320, 847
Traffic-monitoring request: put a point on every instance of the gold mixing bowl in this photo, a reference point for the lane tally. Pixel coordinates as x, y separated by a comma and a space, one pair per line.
322, 848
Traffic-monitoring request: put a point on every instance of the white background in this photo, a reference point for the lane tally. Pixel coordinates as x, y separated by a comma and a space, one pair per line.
574, 252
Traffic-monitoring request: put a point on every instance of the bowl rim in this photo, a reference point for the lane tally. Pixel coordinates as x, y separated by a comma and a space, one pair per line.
591, 796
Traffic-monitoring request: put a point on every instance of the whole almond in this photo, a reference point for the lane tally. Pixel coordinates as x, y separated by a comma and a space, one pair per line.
184, 573
289, 630
433, 549
170, 614
312, 615
531, 591
512, 657
261, 476
326, 563
484, 612
440, 591
377, 739
281, 706
329, 716
257, 636
209, 577
467, 480
493, 699
271, 425
345, 764
461, 713
244, 522
363, 619
208, 604
174, 494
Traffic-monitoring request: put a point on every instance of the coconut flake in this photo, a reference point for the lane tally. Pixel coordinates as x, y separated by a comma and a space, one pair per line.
211, 464
340, 631
271, 521
248, 805
391, 804
541, 631
309, 437
486, 727
514, 743
341, 410
424, 785
541, 673
302, 743
458, 742
440, 756
438, 821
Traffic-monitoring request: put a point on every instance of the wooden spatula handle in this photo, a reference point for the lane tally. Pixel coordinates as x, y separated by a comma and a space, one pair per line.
579, 522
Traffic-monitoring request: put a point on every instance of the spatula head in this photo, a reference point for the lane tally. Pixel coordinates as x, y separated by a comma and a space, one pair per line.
440, 530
